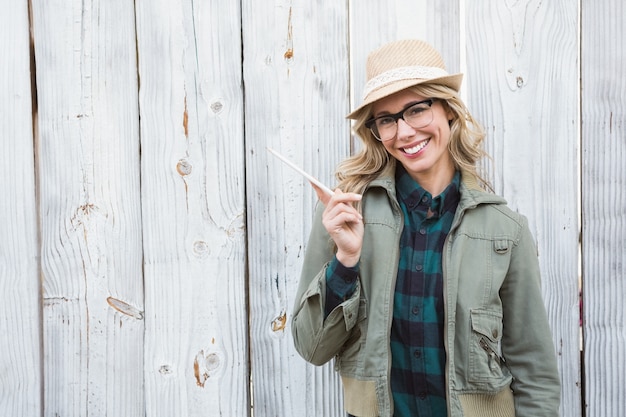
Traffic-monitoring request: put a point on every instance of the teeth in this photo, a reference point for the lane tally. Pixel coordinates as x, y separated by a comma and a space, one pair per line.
416, 149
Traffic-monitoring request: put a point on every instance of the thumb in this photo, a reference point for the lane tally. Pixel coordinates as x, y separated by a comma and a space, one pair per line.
321, 194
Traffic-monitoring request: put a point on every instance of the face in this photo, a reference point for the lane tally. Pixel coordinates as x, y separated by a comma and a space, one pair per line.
423, 152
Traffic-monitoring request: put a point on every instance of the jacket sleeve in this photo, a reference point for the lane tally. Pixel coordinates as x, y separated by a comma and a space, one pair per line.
317, 339
527, 343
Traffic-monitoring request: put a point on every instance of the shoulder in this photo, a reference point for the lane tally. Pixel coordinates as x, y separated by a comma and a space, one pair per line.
488, 215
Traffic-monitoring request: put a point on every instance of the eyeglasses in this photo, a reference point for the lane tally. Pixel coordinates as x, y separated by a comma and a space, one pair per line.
416, 115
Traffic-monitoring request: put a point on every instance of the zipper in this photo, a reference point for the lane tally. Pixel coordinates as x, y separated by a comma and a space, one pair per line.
396, 209
446, 249
445, 312
491, 352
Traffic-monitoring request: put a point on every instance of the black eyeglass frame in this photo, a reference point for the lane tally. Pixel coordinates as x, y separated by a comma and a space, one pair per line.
396, 116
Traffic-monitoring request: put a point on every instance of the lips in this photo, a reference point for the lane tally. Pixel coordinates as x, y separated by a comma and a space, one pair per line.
415, 149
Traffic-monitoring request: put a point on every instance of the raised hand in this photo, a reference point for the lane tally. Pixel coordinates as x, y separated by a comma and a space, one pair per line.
344, 224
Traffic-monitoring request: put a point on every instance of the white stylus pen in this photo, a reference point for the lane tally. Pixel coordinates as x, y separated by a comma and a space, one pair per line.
297, 169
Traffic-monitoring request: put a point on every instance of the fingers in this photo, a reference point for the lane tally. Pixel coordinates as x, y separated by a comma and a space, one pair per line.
325, 195
340, 216
340, 207
336, 224
346, 198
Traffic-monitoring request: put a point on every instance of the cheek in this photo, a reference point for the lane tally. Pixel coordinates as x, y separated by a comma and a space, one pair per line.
388, 146
444, 131
445, 139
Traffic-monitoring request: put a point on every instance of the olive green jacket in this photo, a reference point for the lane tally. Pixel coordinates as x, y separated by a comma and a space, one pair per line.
500, 354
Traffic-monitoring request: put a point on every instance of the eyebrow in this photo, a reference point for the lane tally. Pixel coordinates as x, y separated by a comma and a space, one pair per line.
387, 113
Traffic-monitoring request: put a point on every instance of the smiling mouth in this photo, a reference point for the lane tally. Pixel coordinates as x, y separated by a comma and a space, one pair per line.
415, 149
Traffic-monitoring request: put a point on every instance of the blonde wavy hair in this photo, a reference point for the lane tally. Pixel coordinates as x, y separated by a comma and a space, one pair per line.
465, 146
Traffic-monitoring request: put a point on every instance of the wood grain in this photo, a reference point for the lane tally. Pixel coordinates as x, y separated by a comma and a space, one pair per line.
88, 170
20, 322
603, 62
191, 108
296, 77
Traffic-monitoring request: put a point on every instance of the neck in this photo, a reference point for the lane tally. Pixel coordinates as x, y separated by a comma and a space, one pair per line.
435, 183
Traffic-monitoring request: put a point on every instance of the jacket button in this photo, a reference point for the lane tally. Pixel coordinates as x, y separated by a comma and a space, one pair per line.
494, 334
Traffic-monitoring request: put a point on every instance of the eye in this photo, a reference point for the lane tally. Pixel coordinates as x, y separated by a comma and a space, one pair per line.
415, 110
384, 121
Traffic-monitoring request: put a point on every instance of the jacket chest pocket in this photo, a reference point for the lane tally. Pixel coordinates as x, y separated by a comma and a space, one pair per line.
485, 360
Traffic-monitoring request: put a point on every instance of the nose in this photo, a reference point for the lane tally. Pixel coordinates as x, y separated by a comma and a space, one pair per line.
404, 130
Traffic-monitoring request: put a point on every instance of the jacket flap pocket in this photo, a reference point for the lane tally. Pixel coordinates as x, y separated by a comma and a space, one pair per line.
353, 308
488, 323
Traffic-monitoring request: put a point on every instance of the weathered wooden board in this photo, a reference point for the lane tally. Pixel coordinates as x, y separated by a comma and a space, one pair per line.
20, 323
193, 205
88, 171
296, 77
522, 85
603, 60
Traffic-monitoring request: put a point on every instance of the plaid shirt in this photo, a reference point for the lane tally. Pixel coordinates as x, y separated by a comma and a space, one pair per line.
417, 349
418, 354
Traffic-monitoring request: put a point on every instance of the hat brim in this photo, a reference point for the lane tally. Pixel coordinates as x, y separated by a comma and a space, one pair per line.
452, 81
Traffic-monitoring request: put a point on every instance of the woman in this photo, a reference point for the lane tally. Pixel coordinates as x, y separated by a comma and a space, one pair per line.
423, 286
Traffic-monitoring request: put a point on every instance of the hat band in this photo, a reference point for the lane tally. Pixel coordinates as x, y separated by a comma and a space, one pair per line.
400, 74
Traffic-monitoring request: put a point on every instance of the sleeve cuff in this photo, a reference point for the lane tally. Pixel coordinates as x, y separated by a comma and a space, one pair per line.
341, 282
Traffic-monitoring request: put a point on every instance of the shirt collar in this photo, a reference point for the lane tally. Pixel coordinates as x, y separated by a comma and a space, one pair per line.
417, 198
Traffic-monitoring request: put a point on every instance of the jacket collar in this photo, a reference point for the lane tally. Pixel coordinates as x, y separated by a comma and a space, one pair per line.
471, 193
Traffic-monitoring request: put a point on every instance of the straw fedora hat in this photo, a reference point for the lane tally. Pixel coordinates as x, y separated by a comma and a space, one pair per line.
402, 64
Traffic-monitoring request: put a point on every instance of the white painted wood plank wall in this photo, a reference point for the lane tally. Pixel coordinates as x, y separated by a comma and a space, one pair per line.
604, 205
171, 241
20, 322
